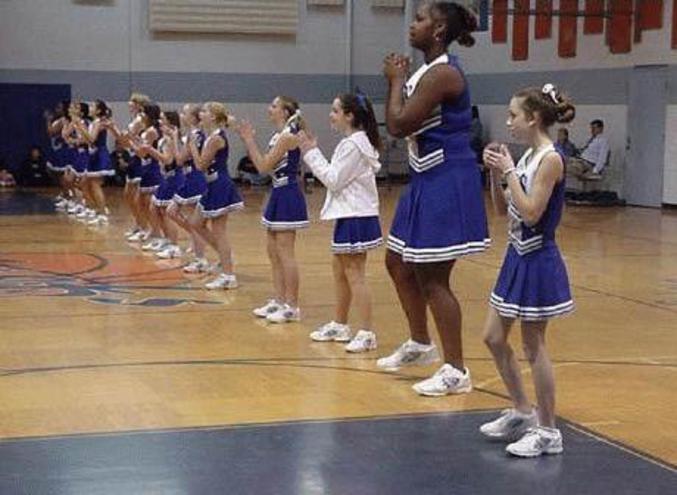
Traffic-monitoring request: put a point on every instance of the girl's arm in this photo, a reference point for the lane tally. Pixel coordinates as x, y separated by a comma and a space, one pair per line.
264, 163
206, 157
344, 167
441, 83
530, 206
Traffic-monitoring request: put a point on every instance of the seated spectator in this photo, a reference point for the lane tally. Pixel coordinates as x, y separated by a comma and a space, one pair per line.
563, 145
120, 159
33, 171
247, 172
593, 156
6, 178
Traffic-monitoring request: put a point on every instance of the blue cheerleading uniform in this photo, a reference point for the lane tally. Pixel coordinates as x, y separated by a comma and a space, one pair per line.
221, 196
440, 215
286, 208
173, 179
57, 161
100, 163
355, 235
195, 183
533, 282
151, 176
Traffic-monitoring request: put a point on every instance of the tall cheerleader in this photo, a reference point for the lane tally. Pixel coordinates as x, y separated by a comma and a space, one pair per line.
286, 210
440, 216
352, 201
532, 285
173, 179
194, 186
210, 219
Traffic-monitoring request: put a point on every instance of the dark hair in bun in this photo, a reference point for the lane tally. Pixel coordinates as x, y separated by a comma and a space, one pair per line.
461, 22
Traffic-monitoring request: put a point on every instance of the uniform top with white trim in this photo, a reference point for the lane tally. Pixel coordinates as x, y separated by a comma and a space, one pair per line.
529, 238
220, 161
101, 141
169, 169
287, 169
200, 138
446, 131
149, 159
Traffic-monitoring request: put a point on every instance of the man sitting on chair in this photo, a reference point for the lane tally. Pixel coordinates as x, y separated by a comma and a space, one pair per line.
593, 156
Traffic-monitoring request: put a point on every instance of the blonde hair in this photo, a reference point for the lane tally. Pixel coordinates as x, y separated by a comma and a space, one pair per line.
192, 109
139, 99
220, 113
291, 106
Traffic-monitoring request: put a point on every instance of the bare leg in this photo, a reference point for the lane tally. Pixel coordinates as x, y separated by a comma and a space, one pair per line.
533, 339
410, 295
433, 278
496, 333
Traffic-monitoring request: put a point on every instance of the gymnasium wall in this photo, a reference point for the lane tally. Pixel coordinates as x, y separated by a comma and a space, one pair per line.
103, 48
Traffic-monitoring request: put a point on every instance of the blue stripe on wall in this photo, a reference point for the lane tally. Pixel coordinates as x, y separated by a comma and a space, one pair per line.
585, 86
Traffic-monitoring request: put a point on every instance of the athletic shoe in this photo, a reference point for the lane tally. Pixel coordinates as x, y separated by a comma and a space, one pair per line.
537, 441
510, 426
332, 331
447, 380
270, 307
285, 314
223, 281
198, 265
363, 341
409, 354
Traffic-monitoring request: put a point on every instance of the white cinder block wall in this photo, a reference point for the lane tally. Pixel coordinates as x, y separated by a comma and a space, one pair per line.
104, 49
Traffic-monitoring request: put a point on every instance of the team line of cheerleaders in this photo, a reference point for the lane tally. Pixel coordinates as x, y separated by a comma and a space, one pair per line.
178, 179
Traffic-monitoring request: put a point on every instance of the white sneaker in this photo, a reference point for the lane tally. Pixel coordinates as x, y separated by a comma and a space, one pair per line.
223, 281
537, 441
76, 209
363, 341
136, 237
154, 244
131, 232
332, 331
511, 425
269, 308
84, 213
198, 265
409, 354
285, 314
98, 219
447, 380
169, 252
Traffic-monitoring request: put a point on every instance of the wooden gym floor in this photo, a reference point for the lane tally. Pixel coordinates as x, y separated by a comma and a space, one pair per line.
100, 342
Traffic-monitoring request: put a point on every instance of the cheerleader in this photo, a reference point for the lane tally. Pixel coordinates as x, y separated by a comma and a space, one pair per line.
286, 210
352, 201
194, 186
173, 179
57, 161
134, 170
440, 216
100, 164
77, 157
151, 177
532, 285
210, 219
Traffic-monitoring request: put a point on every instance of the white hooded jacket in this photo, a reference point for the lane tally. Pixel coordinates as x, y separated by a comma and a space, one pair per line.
350, 178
